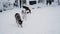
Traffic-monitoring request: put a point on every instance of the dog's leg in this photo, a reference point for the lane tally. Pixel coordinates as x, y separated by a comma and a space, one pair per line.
17, 23
29, 10
21, 25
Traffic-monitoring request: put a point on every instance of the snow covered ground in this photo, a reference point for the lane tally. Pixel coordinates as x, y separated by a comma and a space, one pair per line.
41, 21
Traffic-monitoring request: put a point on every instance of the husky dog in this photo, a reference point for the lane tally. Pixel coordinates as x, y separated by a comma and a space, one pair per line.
18, 19
27, 8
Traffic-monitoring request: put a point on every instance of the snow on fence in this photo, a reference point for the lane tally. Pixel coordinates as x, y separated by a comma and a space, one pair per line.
6, 5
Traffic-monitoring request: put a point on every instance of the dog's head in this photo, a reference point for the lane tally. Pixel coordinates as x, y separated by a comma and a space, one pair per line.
17, 16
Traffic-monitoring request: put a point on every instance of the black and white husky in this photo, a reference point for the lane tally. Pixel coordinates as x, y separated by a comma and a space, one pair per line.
18, 19
27, 8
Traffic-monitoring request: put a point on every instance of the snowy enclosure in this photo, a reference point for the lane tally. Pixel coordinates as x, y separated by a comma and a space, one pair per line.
40, 21
44, 19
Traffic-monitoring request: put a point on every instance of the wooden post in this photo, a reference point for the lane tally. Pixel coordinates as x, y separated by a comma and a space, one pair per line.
58, 2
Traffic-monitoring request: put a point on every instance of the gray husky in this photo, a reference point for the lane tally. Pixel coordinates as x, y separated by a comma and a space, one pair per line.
18, 19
